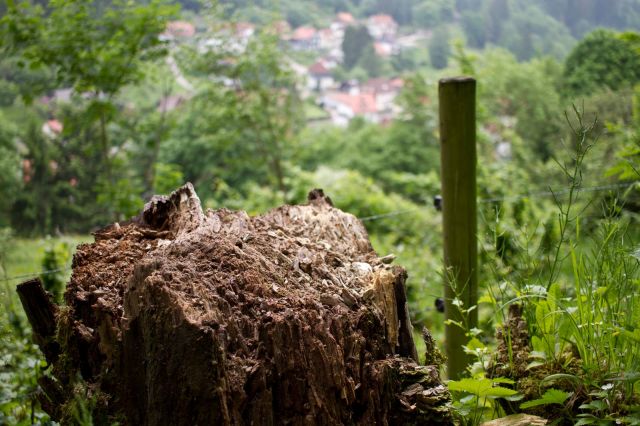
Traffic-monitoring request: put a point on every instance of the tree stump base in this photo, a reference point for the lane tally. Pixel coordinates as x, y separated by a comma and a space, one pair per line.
184, 317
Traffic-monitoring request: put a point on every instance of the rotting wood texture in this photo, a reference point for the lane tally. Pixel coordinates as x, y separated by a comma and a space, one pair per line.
184, 317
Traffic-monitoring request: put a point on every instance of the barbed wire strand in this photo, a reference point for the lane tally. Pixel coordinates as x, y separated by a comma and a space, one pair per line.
552, 193
390, 214
35, 274
399, 213
541, 194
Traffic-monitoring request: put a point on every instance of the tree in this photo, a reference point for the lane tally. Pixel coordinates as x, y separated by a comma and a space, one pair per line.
400, 10
439, 49
530, 32
527, 92
429, 14
581, 15
96, 49
498, 12
603, 60
371, 62
95, 52
356, 39
474, 28
9, 169
241, 126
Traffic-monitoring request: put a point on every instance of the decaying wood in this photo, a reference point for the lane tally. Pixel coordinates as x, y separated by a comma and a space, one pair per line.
41, 312
184, 317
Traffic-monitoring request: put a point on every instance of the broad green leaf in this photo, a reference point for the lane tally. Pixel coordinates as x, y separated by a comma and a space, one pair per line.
552, 396
503, 380
475, 344
480, 387
585, 421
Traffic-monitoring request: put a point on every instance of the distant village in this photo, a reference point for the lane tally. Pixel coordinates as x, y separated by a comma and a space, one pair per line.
373, 100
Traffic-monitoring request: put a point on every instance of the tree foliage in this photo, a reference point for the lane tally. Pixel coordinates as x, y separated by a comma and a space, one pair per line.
240, 126
356, 40
95, 50
439, 48
603, 60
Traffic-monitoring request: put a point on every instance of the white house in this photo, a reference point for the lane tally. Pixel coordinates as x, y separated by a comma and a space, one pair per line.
385, 91
319, 77
344, 106
382, 27
304, 38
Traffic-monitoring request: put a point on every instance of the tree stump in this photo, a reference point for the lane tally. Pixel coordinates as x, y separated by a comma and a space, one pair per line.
181, 317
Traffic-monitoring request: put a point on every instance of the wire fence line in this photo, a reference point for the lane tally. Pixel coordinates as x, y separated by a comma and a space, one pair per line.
35, 274
551, 193
541, 194
390, 214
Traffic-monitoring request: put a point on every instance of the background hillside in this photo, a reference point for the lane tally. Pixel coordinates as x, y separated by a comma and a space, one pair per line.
526, 27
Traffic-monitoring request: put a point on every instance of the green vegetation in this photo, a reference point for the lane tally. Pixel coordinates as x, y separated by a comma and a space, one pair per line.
528, 28
603, 59
558, 198
21, 361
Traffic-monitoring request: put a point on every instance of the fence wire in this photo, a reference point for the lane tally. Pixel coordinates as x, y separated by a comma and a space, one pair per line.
541, 194
514, 198
34, 274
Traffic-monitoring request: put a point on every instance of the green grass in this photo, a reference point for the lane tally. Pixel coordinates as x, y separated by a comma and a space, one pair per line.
21, 362
24, 256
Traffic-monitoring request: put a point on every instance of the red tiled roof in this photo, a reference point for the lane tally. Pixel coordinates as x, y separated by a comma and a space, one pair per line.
55, 126
376, 85
319, 68
345, 18
363, 103
181, 29
304, 33
383, 19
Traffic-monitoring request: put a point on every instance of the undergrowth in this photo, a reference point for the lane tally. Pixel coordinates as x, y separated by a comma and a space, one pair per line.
569, 348
21, 362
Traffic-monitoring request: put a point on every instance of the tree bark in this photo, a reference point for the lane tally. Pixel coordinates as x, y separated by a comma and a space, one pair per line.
184, 317
41, 313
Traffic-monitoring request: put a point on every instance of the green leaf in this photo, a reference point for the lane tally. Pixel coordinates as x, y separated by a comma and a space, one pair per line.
486, 298
585, 422
481, 387
534, 364
595, 405
514, 398
503, 380
561, 376
537, 354
475, 344
552, 396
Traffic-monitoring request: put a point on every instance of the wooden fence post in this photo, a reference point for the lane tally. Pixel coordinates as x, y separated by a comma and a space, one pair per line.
458, 171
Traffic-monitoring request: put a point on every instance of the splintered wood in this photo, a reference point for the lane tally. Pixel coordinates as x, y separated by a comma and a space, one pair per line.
187, 317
